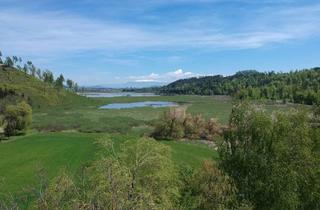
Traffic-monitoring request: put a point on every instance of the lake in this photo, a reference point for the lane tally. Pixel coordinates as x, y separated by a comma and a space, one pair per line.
116, 94
154, 104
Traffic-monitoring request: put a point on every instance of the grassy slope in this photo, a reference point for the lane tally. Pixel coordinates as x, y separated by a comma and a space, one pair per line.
190, 154
40, 93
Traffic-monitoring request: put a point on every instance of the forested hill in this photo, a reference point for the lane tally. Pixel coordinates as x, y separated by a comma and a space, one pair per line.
301, 86
16, 86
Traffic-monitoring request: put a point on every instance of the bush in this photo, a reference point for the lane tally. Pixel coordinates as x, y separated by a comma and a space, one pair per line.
169, 126
194, 127
17, 118
175, 124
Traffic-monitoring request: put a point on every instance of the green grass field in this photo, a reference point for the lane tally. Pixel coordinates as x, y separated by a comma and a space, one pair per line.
22, 157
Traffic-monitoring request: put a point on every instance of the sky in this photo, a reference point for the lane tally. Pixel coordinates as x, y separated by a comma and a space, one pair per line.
107, 42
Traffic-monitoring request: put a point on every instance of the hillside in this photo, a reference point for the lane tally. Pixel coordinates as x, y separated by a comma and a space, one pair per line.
15, 86
298, 86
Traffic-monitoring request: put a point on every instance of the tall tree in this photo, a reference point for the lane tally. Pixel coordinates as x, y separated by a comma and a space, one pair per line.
48, 76
33, 70
8, 62
15, 59
271, 158
39, 73
25, 69
1, 62
70, 84
59, 82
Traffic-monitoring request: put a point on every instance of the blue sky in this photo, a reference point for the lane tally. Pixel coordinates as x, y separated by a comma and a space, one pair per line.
109, 42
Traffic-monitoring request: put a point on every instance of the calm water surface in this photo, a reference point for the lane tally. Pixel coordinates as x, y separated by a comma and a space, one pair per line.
119, 94
154, 104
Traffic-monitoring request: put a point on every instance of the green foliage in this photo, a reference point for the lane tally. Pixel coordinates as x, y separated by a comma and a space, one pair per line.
213, 189
47, 77
143, 173
297, 86
271, 158
169, 126
208, 188
17, 118
59, 194
140, 175
59, 82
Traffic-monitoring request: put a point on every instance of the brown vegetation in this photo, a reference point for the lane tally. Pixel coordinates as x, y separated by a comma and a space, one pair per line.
176, 124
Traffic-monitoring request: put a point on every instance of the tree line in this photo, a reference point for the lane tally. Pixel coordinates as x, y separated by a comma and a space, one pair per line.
300, 86
30, 69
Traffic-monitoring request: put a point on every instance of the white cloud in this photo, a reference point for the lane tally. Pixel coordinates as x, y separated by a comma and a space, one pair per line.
45, 33
166, 77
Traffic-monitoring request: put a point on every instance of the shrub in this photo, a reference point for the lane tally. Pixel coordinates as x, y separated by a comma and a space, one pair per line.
194, 127
213, 129
169, 126
17, 118
175, 124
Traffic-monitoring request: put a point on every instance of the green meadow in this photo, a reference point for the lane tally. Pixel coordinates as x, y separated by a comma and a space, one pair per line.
63, 136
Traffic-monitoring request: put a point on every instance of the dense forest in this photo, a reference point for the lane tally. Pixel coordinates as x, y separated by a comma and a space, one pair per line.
296, 86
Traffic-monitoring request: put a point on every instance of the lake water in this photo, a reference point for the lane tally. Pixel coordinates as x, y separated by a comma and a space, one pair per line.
154, 104
118, 94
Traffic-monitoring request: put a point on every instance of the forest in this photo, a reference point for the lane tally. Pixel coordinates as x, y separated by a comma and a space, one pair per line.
300, 86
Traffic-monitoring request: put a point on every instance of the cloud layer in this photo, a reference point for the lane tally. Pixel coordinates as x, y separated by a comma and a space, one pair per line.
131, 33
25, 32
166, 77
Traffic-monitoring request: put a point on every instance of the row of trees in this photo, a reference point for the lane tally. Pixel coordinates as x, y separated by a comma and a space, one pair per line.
296, 86
45, 75
176, 124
